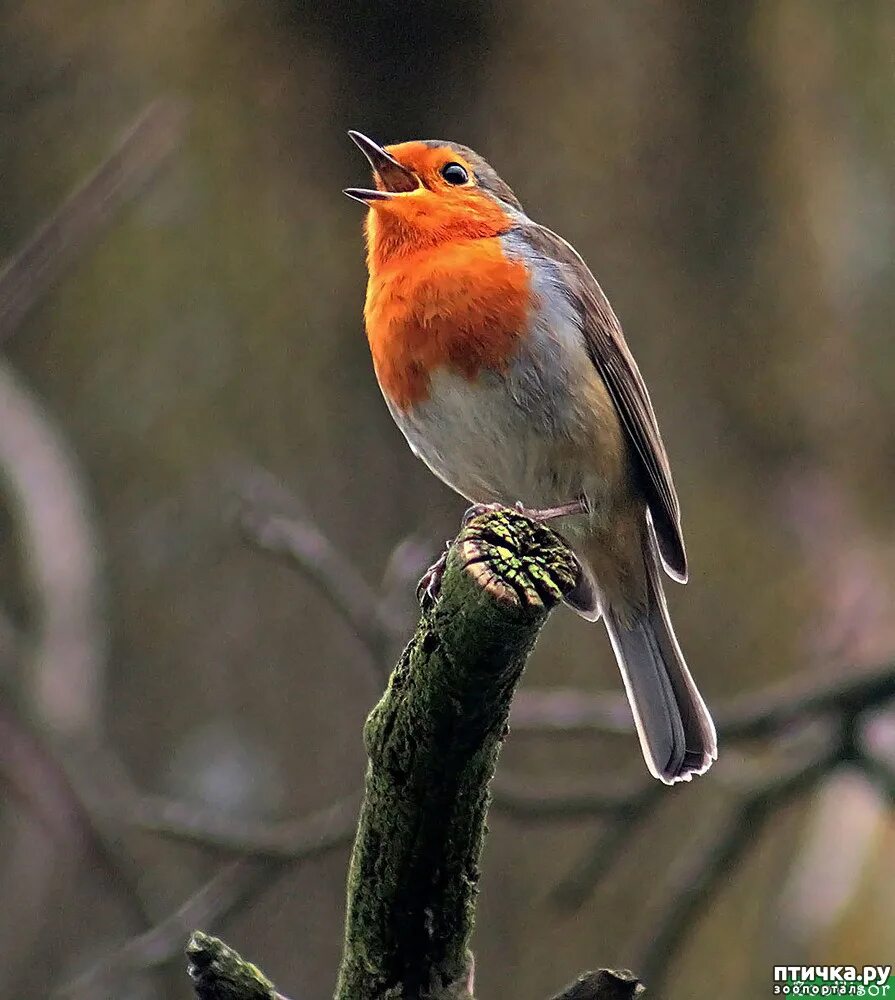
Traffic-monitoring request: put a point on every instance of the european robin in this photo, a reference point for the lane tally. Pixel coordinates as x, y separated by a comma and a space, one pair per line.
506, 369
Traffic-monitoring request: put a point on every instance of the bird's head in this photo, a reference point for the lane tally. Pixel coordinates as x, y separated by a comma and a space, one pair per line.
429, 192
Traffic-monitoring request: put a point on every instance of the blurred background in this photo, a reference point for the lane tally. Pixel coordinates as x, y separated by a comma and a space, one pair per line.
727, 170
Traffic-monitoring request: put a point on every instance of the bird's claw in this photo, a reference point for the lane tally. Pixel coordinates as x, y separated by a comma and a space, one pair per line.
578, 506
478, 509
429, 587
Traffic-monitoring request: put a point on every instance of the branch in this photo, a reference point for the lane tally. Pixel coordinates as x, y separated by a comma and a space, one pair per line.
524, 799
286, 840
880, 773
433, 743
298, 541
606, 984
749, 716
571, 712
844, 692
55, 533
227, 891
220, 973
704, 862
44, 258
611, 842
38, 779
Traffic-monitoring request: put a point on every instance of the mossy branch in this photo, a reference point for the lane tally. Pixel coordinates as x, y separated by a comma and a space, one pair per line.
220, 973
433, 742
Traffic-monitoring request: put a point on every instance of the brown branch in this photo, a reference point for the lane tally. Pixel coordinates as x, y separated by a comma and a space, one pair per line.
56, 796
48, 502
765, 713
880, 773
286, 840
613, 840
67, 832
433, 742
605, 984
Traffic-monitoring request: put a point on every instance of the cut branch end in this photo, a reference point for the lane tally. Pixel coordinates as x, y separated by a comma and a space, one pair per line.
220, 973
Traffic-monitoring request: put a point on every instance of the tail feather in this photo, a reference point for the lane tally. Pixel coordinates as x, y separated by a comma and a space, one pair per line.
676, 732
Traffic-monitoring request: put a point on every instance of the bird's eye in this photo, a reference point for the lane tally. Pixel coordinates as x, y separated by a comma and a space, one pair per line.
453, 173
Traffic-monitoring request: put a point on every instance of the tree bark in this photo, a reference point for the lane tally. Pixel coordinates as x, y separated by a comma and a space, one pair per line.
433, 742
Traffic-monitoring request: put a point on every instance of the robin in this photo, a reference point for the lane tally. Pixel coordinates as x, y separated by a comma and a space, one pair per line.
506, 369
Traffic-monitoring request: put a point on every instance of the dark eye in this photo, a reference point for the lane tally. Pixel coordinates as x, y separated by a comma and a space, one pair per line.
453, 173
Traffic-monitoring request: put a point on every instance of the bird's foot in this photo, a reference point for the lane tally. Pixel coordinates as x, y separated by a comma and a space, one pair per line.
477, 509
429, 587
542, 514
578, 506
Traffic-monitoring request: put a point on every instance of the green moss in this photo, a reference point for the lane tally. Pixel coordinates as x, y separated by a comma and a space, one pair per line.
433, 742
220, 973
605, 984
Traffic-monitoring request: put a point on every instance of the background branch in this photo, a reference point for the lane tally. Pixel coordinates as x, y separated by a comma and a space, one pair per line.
61, 239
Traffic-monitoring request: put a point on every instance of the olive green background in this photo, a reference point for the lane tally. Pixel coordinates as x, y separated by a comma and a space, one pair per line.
728, 171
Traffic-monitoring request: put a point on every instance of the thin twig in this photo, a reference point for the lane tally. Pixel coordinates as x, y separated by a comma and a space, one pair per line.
35, 776
229, 890
615, 837
570, 712
701, 865
285, 840
45, 257
803, 696
880, 773
754, 715
525, 800
298, 541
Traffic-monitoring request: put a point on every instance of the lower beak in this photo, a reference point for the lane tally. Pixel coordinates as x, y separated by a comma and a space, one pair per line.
392, 176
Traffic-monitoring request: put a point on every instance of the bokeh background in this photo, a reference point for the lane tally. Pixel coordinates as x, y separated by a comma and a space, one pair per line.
728, 171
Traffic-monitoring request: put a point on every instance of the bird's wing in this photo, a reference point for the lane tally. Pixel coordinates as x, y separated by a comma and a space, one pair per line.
612, 358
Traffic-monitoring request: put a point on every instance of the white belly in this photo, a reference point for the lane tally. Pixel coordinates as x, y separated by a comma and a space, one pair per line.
531, 433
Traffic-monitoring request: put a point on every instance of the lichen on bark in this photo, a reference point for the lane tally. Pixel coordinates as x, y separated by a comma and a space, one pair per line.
433, 742
220, 973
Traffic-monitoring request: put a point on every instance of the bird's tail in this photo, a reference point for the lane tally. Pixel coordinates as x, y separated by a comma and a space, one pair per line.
676, 732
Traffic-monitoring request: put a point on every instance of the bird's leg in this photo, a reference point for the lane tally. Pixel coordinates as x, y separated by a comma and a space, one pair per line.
430, 583
578, 506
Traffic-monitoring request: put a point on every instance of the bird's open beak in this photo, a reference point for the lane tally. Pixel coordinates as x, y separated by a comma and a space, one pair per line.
394, 178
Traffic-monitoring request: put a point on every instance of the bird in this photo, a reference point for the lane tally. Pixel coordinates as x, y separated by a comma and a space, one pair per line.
505, 367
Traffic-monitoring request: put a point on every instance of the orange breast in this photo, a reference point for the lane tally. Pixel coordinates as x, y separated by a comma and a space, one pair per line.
462, 306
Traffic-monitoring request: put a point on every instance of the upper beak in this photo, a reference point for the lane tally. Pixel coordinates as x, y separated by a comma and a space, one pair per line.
393, 176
